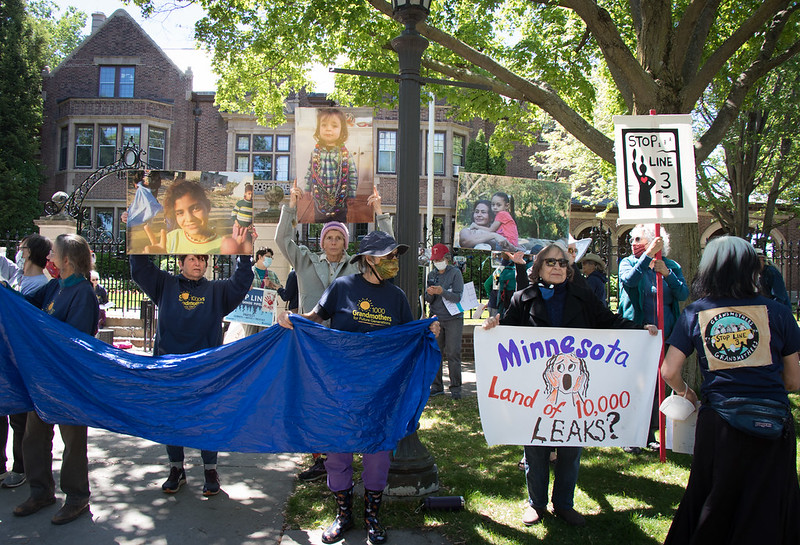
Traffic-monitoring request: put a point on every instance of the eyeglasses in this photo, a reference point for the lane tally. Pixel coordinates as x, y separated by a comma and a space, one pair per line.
24, 248
390, 256
551, 262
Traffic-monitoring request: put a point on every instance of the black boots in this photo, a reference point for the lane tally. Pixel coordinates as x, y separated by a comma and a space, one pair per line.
344, 517
372, 504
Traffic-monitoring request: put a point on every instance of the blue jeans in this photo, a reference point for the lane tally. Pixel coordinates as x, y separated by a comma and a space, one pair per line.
176, 455
537, 474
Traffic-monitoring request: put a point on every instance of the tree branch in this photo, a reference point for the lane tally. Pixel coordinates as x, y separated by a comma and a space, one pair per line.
696, 84
691, 34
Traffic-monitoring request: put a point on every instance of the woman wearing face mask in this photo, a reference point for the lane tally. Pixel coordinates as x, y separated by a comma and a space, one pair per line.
262, 276
445, 282
362, 303
637, 292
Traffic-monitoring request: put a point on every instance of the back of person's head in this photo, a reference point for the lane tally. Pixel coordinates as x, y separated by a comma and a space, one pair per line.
76, 250
728, 268
39, 248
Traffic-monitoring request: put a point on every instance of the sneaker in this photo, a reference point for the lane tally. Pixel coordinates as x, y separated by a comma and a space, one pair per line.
316, 471
211, 486
176, 479
455, 394
435, 393
632, 450
570, 516
13, 480
654, 446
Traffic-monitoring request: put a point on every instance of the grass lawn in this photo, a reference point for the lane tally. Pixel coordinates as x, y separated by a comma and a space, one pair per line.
626, 498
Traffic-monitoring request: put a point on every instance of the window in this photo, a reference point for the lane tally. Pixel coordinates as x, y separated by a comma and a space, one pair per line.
387, 151
131, 132
267, 156
104, 219
458, 153
438, 153
262, 167
63, 147
117, 81
156, 142
84, 142
107, 145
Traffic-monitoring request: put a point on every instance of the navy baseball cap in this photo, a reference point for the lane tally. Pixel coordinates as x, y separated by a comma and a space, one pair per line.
378, 243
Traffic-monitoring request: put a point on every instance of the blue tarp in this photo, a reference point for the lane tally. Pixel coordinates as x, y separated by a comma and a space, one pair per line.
310, 389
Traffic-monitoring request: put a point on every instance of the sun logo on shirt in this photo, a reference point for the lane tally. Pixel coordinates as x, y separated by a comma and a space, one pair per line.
364, 304
184, 296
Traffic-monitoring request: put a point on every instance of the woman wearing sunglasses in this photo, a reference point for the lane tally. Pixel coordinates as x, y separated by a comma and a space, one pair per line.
554, 300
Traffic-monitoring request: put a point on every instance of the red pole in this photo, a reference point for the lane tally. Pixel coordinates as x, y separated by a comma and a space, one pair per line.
662, 449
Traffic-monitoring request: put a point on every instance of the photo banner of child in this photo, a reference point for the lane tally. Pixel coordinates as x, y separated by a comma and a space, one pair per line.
189, 212
503, 213
334, 164
565, 387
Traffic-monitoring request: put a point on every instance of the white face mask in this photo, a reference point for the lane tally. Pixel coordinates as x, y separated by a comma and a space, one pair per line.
440, 265
267, 261
18, 259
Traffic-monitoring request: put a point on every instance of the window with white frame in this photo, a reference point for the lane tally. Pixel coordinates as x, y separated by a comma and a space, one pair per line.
106, 145
84, 144
156, 144
267, 156
458, 152
387, 151
131, 133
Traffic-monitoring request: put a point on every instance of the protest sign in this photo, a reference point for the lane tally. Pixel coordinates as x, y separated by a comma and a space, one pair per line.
257, 308
469, 299
509, 213
655, 169
565, 387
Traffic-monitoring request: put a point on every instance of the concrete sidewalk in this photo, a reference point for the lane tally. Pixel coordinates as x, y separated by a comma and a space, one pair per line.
129, 508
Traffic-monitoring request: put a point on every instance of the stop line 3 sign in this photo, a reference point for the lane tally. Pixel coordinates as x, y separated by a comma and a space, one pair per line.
655, 169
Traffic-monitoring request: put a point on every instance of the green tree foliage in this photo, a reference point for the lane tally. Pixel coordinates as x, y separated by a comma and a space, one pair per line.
757, 167
31, 37
480, 159
21, 63
532, 54
61, 32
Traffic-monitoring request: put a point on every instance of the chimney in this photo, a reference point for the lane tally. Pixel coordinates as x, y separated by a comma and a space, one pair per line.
98, 18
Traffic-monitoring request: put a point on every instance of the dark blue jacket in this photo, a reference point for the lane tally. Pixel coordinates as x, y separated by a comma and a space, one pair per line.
70, 300
597, 283
290, 293
190, 312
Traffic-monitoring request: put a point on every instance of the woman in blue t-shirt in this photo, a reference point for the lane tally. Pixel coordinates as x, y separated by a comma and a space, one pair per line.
743, 487
362, 303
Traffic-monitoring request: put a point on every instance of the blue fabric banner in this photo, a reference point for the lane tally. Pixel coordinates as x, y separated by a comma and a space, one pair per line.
310, 389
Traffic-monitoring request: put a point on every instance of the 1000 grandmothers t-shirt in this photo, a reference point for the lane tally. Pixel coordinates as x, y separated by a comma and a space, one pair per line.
353, 304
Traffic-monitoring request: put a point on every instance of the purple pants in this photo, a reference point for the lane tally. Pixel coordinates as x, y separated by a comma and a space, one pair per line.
339, 466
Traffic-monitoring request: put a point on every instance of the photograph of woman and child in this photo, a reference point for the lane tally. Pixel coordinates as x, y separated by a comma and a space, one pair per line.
334, 164
502, 213
176, 212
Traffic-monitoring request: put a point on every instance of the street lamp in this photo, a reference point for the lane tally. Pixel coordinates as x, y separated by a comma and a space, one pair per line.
413, 471
409, 47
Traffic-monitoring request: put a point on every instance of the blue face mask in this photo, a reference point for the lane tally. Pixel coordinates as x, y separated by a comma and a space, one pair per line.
267, 261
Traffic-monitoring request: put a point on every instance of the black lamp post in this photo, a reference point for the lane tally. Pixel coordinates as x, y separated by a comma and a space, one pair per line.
413, 471
409, 47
